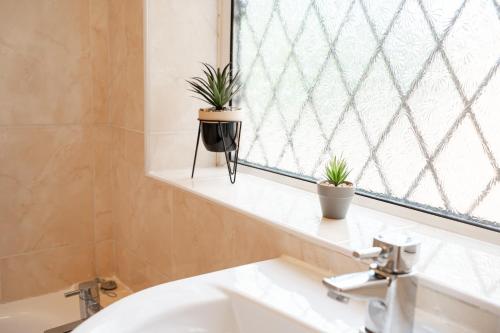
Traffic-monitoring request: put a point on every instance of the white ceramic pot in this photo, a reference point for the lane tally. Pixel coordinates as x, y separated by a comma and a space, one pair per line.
228, 114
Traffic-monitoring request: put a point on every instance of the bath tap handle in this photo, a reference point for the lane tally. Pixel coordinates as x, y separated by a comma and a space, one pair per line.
86, 290
368, 253
72, 293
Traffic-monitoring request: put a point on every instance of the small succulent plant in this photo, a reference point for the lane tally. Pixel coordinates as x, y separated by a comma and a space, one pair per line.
336, 171
217, 87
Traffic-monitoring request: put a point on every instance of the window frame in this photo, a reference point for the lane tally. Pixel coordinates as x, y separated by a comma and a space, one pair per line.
444, 220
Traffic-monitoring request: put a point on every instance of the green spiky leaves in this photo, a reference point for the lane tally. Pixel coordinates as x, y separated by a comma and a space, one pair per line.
336, 171
216, 87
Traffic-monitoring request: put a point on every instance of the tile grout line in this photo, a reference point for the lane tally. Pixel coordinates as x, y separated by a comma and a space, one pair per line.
34, 252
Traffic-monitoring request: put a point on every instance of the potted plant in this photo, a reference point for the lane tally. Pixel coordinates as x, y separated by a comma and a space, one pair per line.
216, 88
335, 192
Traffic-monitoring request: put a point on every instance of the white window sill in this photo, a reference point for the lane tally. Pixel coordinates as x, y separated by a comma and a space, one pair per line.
462, 267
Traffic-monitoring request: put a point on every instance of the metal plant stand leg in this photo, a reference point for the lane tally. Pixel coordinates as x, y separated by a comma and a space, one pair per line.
196, 151
227, 153
235, 140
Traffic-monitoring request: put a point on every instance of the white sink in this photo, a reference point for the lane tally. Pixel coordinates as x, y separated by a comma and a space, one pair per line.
279, 295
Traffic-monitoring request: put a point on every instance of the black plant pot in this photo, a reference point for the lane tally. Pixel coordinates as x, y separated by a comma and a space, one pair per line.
213, 135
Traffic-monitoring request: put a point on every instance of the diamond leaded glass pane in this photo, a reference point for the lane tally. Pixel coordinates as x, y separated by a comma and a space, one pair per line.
408, 91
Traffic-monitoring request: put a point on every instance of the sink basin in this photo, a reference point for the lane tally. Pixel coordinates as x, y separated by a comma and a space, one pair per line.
222, 313
279, 295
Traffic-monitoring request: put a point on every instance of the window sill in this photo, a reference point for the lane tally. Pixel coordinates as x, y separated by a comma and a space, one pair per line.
462, 267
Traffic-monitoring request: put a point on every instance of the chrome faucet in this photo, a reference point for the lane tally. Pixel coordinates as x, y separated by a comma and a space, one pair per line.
88, 293
389, 285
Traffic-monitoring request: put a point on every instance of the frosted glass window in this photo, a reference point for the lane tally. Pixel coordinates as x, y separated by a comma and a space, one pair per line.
407, 91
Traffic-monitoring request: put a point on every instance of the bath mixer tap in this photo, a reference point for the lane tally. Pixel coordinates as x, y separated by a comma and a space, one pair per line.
88, 293
389, 285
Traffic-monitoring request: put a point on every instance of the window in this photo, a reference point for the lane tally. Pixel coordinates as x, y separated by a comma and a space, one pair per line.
408, 91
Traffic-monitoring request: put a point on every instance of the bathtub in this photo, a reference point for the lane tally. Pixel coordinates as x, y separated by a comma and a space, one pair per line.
37, 314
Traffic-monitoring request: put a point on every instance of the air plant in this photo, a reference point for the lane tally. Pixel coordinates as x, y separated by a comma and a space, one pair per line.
217, 87
336, 171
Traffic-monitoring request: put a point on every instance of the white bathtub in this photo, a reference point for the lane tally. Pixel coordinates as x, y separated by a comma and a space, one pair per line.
37, 314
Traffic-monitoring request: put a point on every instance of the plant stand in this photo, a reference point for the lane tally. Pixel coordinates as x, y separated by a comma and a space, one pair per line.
232, 165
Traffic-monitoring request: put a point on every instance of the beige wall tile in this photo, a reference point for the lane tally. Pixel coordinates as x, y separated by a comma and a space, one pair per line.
290, 245
154, 230
146, 229
99, 56
126, 103
105, 264
126, 85
1, 298
127, 169
102, 140
126, 27
45, 68
103, 226
124, 180
176, 151
46, 271
134, 272
252, 240
202, 241
47, 195
134, 148
142, 207
128, 146
172, 59
128, 179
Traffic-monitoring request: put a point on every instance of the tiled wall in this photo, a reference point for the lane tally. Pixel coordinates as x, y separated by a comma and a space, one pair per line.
54, 160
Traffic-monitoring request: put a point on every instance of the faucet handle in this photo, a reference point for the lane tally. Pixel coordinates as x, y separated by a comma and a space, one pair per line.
72, 293
399, 253
86, 290
391, 253
368, 253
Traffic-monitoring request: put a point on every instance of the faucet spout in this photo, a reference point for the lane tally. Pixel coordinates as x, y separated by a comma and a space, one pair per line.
361, 286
